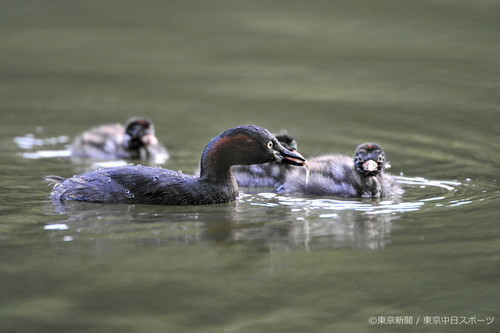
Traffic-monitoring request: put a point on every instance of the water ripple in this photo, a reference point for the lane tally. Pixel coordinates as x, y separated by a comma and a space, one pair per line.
420, 193
422, 182
29, 141
39, 154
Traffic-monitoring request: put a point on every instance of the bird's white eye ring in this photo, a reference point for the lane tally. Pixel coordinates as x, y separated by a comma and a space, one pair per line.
270, 145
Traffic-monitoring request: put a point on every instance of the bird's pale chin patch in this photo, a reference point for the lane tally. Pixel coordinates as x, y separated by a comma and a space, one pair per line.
149, 140
370, 166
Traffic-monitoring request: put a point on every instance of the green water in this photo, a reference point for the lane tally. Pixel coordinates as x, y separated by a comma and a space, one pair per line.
421, 78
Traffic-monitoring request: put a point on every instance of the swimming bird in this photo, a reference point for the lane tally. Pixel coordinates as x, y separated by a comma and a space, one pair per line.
340, 175
136, 141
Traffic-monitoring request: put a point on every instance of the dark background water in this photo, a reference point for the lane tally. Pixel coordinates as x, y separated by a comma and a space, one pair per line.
421, 78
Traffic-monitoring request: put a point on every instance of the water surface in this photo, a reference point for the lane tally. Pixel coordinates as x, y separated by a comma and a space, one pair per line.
419, 78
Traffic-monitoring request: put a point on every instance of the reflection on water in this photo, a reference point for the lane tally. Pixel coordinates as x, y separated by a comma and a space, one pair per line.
282, 222
300, 229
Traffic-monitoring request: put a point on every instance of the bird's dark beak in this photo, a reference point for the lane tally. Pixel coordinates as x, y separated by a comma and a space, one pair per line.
286, 156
